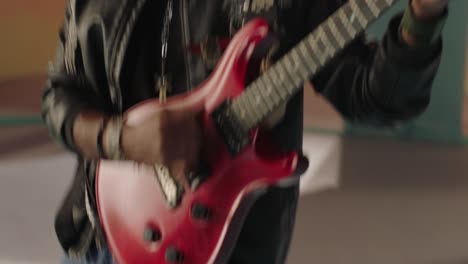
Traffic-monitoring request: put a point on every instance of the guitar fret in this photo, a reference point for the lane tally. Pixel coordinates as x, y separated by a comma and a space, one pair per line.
241, 113
267, 92
260, 99
335, 32
278, 90
237, 109
256, 114
272, 89
334, 43
294, 79
373, 7
307, 57
357, 13
367, 11
245, 105
267, 108
330, 49
280, 79
277, 81
285, 73
301, 68
312, 51
383, 4
249, 118
346, 23
276, 97
289, 64
320, 52
257, 100
294, 69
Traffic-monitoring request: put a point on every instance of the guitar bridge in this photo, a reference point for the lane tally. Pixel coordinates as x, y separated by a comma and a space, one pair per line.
231, 130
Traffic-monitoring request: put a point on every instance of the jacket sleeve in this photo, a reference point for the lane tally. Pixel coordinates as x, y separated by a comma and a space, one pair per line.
381, 84
67, 91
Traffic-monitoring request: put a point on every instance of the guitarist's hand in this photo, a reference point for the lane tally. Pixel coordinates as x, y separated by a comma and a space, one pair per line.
423, 10
427, 9
170, 138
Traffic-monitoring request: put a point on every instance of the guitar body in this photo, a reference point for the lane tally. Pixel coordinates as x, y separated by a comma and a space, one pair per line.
129, 197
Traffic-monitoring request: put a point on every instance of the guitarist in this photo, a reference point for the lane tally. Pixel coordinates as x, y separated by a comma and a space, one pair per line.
169, 47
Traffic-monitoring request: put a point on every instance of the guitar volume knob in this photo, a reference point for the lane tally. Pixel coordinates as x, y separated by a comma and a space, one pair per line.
201, 212
174, 256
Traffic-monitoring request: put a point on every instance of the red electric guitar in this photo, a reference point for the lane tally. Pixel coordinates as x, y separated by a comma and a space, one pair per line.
150, 218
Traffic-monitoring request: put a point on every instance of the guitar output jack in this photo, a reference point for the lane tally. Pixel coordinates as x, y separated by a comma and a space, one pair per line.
173, 255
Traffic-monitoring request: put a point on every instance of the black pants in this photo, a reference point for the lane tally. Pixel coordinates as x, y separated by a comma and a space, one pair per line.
268, 228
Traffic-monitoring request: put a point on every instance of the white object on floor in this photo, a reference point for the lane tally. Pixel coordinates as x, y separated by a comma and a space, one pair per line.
30, 192
323, 152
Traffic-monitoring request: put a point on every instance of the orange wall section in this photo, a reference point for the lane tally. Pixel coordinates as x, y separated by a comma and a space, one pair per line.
28, 36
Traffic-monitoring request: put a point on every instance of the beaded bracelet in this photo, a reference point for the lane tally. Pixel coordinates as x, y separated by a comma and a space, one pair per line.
112, 138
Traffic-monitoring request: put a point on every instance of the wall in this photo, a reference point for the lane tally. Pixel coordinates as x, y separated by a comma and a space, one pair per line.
28, 30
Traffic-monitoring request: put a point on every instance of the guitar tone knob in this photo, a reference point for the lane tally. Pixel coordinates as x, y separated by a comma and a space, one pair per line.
173, 255
151, 235
201, 212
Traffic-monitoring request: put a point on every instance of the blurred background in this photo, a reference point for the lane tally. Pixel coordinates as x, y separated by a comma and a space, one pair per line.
369, 197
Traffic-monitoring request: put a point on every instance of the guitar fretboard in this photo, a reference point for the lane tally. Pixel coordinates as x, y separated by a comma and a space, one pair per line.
277, 85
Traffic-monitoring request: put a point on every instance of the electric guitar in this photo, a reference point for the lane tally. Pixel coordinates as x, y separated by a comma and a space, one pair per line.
150, 217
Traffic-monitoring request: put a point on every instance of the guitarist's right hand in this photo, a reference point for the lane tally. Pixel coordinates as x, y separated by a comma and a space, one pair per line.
170, 137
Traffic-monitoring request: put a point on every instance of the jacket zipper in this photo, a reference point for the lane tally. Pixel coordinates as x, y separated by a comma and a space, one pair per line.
185, 39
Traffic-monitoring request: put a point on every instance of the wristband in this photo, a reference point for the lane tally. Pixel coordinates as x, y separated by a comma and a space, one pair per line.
423, 31
112, 138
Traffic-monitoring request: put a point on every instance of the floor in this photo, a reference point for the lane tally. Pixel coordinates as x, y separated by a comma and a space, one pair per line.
364, 201
395, 203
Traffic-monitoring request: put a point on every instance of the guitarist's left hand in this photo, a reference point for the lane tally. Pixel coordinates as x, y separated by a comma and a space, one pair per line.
423, 10
427, 9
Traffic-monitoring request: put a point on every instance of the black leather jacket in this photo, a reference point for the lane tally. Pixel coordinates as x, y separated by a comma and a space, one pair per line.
378, 84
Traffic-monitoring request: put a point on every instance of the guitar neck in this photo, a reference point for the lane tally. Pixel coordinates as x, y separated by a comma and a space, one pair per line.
285, 78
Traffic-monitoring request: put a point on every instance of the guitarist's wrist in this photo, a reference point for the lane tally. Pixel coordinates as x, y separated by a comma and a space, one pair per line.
428, 10
86, 129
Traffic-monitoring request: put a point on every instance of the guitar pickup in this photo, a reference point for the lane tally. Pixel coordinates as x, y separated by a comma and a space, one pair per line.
231, 130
